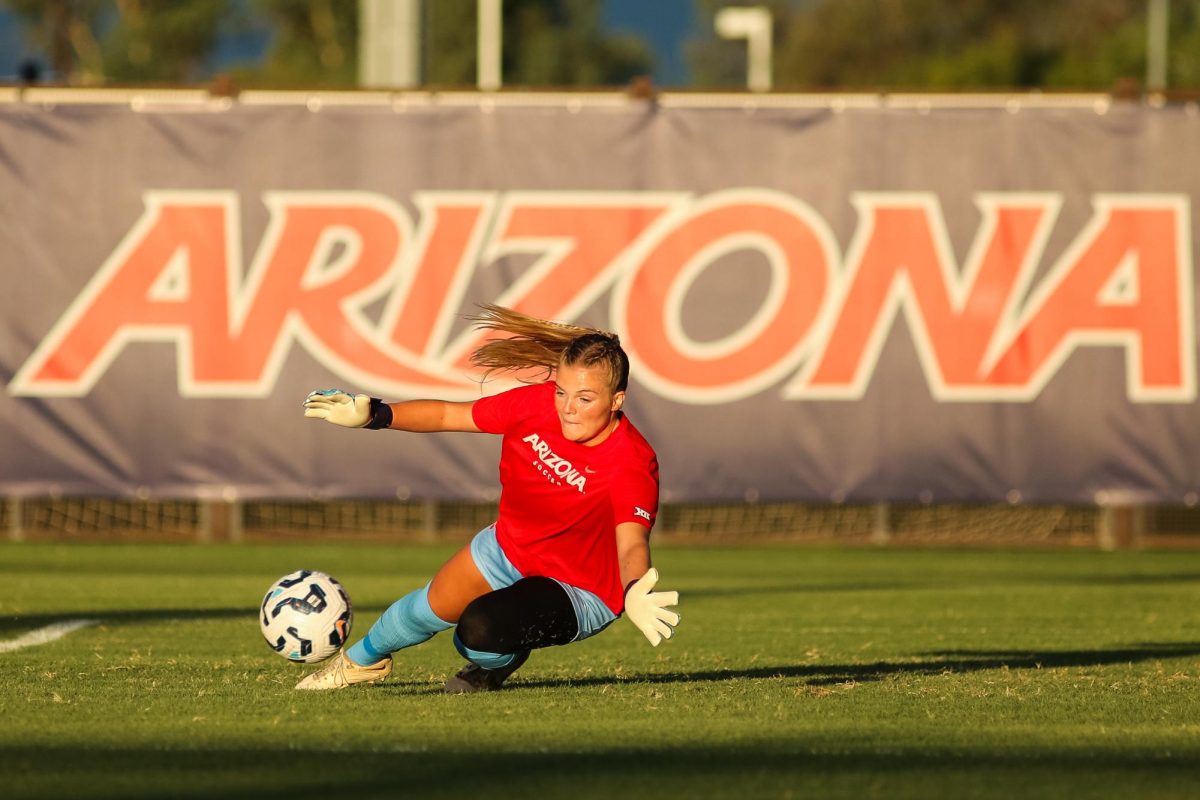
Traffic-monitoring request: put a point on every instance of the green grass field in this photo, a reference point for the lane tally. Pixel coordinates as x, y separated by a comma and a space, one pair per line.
797, 672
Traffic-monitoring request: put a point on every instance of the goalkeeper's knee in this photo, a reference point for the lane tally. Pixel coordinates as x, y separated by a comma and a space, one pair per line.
532, 613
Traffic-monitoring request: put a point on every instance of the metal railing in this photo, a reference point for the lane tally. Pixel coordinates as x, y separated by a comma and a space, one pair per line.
202, 99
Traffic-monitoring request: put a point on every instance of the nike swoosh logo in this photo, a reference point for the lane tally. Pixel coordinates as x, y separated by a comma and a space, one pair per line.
589, 470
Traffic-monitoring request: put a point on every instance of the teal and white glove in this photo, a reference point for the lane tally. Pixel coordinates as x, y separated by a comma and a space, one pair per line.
350, 411
648, 609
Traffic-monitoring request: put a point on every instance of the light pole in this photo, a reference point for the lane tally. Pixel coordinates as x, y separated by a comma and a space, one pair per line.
752, 23
1158, 14
389, 44
489, 45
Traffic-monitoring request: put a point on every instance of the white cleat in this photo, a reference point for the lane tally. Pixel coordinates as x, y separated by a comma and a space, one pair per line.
341, 672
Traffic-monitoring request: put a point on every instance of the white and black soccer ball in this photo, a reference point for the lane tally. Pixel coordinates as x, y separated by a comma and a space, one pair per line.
306, 616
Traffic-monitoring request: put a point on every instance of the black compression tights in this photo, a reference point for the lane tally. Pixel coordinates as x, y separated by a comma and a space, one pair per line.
532, 613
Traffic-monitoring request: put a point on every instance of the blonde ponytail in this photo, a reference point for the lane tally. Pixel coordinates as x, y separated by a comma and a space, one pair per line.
541, 344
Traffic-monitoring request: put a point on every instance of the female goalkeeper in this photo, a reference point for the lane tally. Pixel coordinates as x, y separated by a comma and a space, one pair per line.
570, 549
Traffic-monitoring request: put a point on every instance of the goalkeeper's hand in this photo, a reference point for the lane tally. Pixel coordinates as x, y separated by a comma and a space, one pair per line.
339, 407
648, 609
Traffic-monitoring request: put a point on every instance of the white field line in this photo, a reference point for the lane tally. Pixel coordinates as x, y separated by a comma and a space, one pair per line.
45, 635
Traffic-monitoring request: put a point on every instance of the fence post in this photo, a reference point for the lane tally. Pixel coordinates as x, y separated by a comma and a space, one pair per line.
235, 520
206, 522
1128, 526
221, 521
1140, 523
1120, 528
16, 526
429, 520
881, 531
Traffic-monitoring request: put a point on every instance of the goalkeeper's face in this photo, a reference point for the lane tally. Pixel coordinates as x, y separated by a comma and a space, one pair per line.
586, 404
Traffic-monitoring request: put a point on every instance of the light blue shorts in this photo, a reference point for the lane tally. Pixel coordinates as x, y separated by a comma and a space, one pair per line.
590, 612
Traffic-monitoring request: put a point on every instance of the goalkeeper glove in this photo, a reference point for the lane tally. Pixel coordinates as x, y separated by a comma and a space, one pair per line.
648, 610
349, 411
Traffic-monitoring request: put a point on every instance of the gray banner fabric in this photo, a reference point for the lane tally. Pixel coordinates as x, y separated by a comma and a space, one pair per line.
877, 304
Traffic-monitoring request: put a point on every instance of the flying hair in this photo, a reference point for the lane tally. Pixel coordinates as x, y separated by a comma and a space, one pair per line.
541, 344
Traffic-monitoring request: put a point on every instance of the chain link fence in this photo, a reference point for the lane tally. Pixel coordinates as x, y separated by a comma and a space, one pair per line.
998, 525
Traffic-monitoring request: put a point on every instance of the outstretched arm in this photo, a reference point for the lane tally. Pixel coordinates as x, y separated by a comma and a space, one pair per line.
427, 416
633, 551
361, 411
646, 608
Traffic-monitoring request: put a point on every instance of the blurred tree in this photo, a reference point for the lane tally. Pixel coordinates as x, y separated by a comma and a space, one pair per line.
161, 41
65, 29
1184, 57
126, 41
547, 43
315, 44
968, 44
819, 44
929, 44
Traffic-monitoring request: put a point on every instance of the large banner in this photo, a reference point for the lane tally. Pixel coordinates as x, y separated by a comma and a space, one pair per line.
874, 304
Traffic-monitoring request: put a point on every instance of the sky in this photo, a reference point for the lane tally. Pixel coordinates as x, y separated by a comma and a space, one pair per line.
665, 24
12, 49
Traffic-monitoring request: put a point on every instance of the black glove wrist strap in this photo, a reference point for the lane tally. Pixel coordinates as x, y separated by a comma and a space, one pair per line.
381, 415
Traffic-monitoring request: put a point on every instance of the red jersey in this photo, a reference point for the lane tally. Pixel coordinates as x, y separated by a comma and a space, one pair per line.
561, 501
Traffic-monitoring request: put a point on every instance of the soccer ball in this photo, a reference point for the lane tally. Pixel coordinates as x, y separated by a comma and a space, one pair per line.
306, 616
